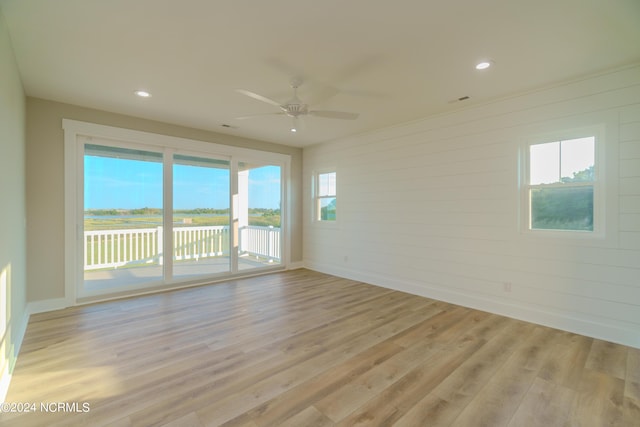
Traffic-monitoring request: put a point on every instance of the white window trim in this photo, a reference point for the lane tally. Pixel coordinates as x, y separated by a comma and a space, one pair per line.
599, 184
316, 198
73, 157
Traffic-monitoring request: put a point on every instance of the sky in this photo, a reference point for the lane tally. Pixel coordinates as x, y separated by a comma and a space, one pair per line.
115, 183
554, 160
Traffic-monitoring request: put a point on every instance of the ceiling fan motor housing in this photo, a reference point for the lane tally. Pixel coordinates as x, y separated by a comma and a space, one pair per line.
295, 107
295, 110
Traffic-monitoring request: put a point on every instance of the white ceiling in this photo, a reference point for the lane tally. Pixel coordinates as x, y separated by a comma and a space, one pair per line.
390, 61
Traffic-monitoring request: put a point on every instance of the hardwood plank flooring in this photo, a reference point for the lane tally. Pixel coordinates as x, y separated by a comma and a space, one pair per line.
306, 349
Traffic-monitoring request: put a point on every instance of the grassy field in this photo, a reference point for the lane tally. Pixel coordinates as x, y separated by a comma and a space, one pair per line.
147, 221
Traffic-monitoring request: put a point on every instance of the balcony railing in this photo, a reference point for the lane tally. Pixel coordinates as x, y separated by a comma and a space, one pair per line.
117, 248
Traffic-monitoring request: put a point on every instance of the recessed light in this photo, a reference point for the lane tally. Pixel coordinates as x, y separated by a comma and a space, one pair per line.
142, 93
483, 65
294, 130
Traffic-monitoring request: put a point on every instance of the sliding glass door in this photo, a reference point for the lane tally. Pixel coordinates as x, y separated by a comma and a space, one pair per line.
123, 201
155, 216
260, 213
201, 216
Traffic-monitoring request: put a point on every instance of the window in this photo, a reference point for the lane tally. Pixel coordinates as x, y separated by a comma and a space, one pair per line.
325, 196
562, 185
150, 211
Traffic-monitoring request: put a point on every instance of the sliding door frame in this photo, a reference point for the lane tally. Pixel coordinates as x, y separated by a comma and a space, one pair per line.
77, 133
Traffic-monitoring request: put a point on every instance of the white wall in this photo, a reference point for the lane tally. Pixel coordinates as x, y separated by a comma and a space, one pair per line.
13, 238
431, 207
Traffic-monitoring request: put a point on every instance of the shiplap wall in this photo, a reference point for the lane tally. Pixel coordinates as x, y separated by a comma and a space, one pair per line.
432, 208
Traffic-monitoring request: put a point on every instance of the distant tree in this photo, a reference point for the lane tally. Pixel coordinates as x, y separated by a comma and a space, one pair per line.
145, 211
328, 212
582, 176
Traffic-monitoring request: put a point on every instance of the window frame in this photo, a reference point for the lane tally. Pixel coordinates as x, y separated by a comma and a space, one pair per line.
317, 198
77, 133
598, 183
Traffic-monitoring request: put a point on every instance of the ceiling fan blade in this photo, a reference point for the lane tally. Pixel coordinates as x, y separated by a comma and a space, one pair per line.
253, 116
259, 97
334, 114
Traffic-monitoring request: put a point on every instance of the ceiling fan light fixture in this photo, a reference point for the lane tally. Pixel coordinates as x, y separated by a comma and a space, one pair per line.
295, 108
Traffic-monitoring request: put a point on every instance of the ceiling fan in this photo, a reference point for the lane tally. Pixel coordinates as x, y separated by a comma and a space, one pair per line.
294, 107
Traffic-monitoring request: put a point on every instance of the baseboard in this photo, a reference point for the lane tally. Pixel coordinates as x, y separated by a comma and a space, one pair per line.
5, 379
43, 306
612, 331
295, 265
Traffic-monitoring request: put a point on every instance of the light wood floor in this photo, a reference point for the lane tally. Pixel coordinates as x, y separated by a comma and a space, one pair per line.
305, 349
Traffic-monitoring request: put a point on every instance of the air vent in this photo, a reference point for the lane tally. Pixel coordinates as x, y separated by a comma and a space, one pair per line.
462, 98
